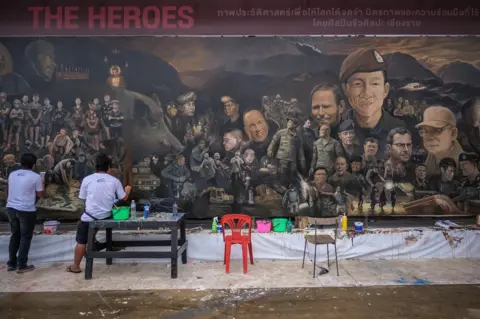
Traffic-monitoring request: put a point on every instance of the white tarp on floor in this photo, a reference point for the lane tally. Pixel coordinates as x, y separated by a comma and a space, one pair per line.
379, 244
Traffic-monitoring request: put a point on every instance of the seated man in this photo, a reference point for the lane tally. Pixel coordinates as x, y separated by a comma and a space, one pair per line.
100, 191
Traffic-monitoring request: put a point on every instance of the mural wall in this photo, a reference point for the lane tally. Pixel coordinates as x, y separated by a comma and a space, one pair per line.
279, 126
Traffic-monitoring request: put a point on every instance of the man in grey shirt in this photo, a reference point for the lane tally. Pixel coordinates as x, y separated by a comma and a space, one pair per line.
24, 185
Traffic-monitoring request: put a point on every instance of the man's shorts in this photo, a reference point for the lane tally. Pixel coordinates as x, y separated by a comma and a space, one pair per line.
82, 232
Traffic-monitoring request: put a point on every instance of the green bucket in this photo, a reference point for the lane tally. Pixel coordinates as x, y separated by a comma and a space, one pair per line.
121, 213
279, 225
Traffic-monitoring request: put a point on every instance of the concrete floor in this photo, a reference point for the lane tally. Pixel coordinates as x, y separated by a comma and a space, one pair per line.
263, 275
425, 302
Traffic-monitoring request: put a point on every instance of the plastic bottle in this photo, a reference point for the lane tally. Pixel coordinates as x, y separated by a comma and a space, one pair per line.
344, 223
214, 225
146, 210
175, 209
133, 210
289, 226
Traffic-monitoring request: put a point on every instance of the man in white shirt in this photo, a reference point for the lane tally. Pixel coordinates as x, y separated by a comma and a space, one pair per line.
100, 191
24, 185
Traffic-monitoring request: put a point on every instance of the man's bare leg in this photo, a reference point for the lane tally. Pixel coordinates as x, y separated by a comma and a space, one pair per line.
78, 255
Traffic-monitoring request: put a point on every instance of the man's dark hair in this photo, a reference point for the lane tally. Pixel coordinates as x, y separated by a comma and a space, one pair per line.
370, 140
397, 130
28, 160
320, 168
337, 93
446, 162
103, 163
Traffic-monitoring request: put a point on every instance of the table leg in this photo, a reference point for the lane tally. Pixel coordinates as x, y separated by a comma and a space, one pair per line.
183, 239
89, 262
109, 243
174, 252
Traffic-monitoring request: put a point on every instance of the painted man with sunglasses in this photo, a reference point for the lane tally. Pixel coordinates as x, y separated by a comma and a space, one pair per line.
439, 134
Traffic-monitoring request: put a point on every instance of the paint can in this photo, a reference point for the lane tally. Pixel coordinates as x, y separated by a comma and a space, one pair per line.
50, 227
358, 226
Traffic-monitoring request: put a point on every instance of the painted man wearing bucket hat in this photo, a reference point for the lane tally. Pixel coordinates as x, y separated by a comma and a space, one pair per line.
364, 82
439, 134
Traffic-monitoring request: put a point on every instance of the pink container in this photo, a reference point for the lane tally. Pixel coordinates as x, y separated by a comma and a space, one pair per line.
264, 226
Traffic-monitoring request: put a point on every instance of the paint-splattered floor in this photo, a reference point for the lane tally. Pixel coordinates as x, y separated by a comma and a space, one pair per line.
405, 302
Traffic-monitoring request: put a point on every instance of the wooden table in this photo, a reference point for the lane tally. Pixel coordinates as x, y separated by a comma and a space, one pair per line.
178, 245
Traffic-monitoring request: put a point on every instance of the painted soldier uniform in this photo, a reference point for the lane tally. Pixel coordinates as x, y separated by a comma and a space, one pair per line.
369, 60
355, 150
287, 148
323, 204
344, 182
291, 200
325, 152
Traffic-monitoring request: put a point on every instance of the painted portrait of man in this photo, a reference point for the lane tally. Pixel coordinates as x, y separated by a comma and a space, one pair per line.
327, 106
365, 84
40, 56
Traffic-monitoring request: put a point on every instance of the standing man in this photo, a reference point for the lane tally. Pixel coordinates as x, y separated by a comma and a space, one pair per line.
24, 185
100, 191
325, 151
327, 107
364, 82
286, 147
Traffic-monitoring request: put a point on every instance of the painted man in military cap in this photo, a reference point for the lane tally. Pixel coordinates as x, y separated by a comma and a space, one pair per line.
364, 81
470, 185
286, 146
346, 134
232, 112
439, 133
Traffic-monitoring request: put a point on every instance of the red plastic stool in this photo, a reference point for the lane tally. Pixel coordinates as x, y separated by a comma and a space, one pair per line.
234, 224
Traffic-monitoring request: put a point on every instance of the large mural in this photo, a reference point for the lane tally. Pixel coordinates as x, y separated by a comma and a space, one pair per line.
272, 126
